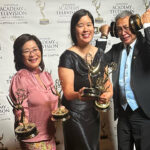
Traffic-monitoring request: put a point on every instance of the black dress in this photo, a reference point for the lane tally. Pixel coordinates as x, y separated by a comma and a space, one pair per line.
82, 130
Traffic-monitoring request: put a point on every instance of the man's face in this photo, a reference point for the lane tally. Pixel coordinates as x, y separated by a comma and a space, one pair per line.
124, 32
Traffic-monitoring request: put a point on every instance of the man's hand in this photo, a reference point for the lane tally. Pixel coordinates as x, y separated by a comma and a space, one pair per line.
104, 29
145, 18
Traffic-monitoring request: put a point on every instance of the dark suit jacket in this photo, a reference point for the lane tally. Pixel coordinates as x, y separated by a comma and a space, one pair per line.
140, 72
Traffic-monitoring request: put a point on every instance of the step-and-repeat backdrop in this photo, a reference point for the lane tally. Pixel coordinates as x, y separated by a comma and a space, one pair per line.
49, 20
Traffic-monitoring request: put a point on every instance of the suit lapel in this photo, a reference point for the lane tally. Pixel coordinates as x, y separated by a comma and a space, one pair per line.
117, 59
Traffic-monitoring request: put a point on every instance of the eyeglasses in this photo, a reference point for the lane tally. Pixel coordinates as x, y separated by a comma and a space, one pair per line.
28, 52
124, 28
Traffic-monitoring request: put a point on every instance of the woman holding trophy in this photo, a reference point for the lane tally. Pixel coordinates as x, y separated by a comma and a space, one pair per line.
82, 130
31, 95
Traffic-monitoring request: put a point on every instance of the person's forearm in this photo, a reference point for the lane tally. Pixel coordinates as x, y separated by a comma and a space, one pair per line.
71, 95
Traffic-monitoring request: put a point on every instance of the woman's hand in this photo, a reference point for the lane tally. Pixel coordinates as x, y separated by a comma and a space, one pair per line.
80, 95
105, 97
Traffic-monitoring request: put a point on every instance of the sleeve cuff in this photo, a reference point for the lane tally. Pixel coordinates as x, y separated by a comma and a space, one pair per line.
146, 25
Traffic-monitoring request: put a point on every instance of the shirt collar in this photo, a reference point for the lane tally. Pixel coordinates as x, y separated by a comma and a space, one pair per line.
131, 45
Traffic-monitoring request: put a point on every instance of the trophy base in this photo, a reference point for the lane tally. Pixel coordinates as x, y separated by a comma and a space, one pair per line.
91, 92
44, 21
99, 20
60, 119
60, 114
26, 132
102, 107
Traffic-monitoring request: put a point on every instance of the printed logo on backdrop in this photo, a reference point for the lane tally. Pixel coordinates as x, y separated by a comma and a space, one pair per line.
9, 78
12, 38
4, 109
3, 47
50, 47
65, 12
119, 7
147, 4
98, 20
12, 14
97, 5
41, 5
5, 83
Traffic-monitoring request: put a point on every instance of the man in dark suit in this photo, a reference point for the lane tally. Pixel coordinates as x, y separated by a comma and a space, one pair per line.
131, 82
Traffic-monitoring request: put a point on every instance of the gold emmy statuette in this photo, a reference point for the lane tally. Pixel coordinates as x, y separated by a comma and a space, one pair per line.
61, 113
101, 86
93, 71
147, 4
2, 147
97, 4
135, 23
41, 5
25, 130
135, 20
98, 76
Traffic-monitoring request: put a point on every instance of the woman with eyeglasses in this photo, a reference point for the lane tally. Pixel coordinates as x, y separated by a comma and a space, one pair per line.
39, 101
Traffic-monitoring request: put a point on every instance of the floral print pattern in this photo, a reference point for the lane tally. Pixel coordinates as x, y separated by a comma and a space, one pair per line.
44, 145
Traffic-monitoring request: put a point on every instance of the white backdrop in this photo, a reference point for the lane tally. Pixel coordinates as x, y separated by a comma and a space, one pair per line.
49, 20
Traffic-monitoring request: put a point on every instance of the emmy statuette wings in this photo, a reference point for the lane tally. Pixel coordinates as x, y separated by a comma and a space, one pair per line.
25, 130
61, 113
97, 79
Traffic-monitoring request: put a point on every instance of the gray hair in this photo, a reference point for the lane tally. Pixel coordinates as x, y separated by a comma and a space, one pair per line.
123, 14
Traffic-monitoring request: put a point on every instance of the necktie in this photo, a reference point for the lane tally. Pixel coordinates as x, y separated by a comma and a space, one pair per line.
128, 49
129, 95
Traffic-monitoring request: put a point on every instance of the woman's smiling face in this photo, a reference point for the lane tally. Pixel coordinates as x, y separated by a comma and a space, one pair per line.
84, 30
31, 55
